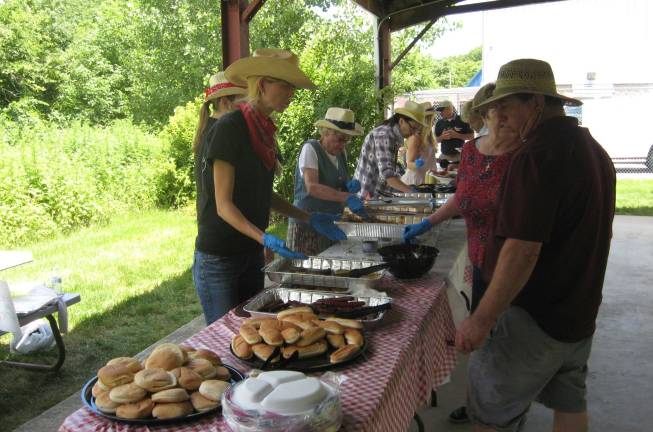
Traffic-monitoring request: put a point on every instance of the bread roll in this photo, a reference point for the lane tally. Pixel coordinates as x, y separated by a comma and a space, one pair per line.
330, 326
187, 378
203, 367
213, 389
171, 395
172, 410
313, 350
129, 362
136, 410
287, 324
336, 340
290, 335
269, 324
295, 310
241, 348
114, 375
127, 393
166, 356
154, 380
105, 404
206, 355
202, 404
344, 353
250, 334
255, 322
311, 336
354, 337
349, 323
298, 321
263, 351
222, 373
97, 389
271, 336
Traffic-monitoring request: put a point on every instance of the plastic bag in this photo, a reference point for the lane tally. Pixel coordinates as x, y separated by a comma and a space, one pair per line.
37, 336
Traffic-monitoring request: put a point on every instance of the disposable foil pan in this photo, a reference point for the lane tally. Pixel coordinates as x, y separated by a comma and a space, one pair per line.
286, 271
284, 294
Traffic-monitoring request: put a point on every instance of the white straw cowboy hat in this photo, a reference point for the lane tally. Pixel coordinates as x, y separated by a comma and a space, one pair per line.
428, 108
414, 111
269, 62
341, 120
526, 76
219, 87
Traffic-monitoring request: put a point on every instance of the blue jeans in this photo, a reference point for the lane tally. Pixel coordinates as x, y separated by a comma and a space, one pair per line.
224, 282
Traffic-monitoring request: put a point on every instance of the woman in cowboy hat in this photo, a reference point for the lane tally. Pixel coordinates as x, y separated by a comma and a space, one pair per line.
420, 150
321, 179
239, 156
377, 165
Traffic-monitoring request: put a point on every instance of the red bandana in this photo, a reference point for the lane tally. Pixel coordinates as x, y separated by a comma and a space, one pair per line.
209, 91
261, 134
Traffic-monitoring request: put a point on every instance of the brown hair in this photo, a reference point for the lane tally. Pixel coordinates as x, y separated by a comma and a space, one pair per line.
201, 125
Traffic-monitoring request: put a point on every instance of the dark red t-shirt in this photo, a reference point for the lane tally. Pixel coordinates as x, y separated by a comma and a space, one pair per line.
559, 190
477, 189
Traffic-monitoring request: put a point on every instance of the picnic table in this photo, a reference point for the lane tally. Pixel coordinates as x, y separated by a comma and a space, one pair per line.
408, 356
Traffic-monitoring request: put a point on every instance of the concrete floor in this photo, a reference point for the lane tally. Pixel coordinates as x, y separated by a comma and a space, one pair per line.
621, 369
620, 380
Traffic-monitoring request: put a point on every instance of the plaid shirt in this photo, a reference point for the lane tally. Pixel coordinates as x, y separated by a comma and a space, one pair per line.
378, 160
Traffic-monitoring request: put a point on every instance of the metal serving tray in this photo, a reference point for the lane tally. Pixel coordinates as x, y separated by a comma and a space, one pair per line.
372, 231
286, 271
286, 294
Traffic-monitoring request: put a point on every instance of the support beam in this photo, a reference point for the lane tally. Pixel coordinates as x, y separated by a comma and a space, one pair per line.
412, 44
383, 54
373, 6
235, 33
251, 10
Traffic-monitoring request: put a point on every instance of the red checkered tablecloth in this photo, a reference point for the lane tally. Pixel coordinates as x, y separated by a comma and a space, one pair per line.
407, 356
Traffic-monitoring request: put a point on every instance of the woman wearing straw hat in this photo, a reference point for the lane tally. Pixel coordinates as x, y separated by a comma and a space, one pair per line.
238, 160
377, 165
420, 150
321, 180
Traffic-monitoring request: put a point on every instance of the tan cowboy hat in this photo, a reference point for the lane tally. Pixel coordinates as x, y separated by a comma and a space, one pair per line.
428, 107
219, 87
414, 111
526, 76
341, 120
269, 62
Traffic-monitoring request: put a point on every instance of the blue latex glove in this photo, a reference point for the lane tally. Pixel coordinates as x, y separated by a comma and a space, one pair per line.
414, 188
279, 246
323, 224
356, 205
413, 230
353, 186
419, 163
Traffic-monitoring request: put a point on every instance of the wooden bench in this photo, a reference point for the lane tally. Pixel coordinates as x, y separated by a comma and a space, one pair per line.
47, 312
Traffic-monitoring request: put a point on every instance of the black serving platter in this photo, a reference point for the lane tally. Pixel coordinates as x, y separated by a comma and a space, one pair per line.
89, 402
320, 362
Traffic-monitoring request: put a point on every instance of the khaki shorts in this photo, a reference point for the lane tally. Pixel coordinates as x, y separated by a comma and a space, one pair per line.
518, 364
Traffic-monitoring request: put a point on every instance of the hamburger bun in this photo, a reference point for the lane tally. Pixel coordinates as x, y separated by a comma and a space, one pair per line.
136, 410
250, 334
97, 390
206, 355
172, 410
114, 375
155, 380
241, 348
127, 393
171, 395
165, 356
187, 378
129, 362
213, 389
106, 405
222, 374
202, 404
202, 367
263, 351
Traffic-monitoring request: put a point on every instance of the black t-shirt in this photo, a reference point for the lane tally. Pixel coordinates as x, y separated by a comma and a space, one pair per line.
228, 140
449, 147
559, 190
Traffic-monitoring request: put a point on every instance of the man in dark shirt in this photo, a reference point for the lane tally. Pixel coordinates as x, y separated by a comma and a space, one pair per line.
451, 131
545, 264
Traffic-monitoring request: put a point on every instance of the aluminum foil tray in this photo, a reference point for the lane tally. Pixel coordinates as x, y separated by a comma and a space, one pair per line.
286, 294
286, 271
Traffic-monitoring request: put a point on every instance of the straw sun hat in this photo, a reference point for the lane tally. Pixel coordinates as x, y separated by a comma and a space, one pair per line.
220, 87
414, 111
341, 120
526, 76
269, 62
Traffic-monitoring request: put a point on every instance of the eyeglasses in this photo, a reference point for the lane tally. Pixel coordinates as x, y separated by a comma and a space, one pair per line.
342, 138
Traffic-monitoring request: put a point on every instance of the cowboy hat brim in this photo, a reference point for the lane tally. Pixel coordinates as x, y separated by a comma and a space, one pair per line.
230, 91
565, 99
411, 115
240, 70
357, 131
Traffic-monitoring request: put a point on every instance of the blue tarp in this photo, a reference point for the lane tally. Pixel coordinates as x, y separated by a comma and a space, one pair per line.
476, 79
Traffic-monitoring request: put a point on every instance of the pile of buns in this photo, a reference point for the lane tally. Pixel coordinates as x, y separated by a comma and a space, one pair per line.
174, 381
298, 329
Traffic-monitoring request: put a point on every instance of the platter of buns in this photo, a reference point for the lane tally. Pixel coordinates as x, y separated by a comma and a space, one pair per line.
175, 383
296, 339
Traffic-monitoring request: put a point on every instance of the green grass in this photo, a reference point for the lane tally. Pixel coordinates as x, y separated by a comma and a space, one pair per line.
135, 284
635, 197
